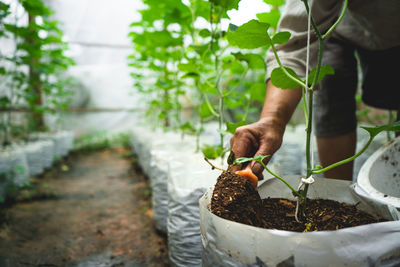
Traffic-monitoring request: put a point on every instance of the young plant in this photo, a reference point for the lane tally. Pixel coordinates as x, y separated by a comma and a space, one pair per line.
38, 64
254, 34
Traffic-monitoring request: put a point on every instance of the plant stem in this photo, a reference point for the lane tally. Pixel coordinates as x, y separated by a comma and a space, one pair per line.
280, 178
299, 82
337, 21
345, 160
213, 166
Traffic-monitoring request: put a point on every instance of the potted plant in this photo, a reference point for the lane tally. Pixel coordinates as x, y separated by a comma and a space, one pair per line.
231, 243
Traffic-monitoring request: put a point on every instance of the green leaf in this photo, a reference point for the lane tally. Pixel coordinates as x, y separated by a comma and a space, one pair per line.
244, 160
280, 80
205, 33
250, 35
271, 18
204, 110
325, 70
227, 4
254, 61
281, 38
188, 128
212, 151
231, 127
374, 131
275, 2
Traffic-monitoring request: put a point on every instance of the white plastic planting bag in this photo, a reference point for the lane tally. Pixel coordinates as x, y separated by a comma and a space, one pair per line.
14, 168
155, 149
188, 179
63, 141
379, 177
48, 153
68, 138
227, 243
34, 156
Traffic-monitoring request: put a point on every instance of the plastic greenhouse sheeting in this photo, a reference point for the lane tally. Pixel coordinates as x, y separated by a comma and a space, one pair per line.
97, 35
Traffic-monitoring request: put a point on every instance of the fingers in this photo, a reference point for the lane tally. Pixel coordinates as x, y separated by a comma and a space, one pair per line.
243, 142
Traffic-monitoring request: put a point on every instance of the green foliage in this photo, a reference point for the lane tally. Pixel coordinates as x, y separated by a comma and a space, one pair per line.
101, 140
195, 67
279, 78
254, 61
252, 34
374, 131
34, 74
271, 18
324, 70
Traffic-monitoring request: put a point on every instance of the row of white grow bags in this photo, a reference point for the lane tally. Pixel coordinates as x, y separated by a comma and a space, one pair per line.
21, 161
179, 176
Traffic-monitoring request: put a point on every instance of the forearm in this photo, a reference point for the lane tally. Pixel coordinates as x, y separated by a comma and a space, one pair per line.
279, 105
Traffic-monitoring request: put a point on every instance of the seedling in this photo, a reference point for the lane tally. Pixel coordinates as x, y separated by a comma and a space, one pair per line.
254, 34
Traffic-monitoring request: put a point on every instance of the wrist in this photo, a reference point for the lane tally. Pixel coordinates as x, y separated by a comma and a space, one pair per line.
272, 121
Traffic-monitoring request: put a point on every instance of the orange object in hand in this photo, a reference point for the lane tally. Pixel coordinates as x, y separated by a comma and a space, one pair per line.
248, 173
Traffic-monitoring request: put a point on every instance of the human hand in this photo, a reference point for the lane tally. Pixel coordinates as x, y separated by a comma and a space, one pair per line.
261, 138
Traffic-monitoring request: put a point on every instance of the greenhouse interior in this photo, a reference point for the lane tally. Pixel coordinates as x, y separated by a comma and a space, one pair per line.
199, 133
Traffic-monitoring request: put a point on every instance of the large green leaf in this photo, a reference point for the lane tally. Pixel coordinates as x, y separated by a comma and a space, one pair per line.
374, 131
281, 80
281, 38
250, 35
325, 70
254, 61
271, 18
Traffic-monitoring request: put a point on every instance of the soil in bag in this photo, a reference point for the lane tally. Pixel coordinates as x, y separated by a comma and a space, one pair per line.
235, 198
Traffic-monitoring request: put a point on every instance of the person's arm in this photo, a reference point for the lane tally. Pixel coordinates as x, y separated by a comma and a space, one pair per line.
264, 137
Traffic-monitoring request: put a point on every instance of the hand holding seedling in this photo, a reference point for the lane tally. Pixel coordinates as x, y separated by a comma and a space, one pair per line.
264, 137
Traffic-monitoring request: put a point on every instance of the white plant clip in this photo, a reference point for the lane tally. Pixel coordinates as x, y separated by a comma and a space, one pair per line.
309, 180
303, 181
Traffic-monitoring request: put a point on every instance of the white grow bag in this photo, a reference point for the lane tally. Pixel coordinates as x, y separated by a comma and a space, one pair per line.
227, 243
14, 167
155, 149
63, 141
34, 157
178, 178
188, 180
379, 177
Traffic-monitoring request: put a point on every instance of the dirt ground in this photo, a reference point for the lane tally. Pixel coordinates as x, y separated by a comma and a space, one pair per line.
93, 209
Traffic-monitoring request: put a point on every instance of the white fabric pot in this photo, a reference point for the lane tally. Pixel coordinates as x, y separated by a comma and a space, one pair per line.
227, 243
188, 179
34, 156
379, 177
177, 178
48, 153
63, 141
13, 167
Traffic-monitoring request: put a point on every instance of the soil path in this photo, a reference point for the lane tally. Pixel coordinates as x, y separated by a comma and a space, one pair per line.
100, 215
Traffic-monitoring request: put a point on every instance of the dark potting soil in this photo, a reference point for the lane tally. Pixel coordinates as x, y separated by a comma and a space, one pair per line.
235, 198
